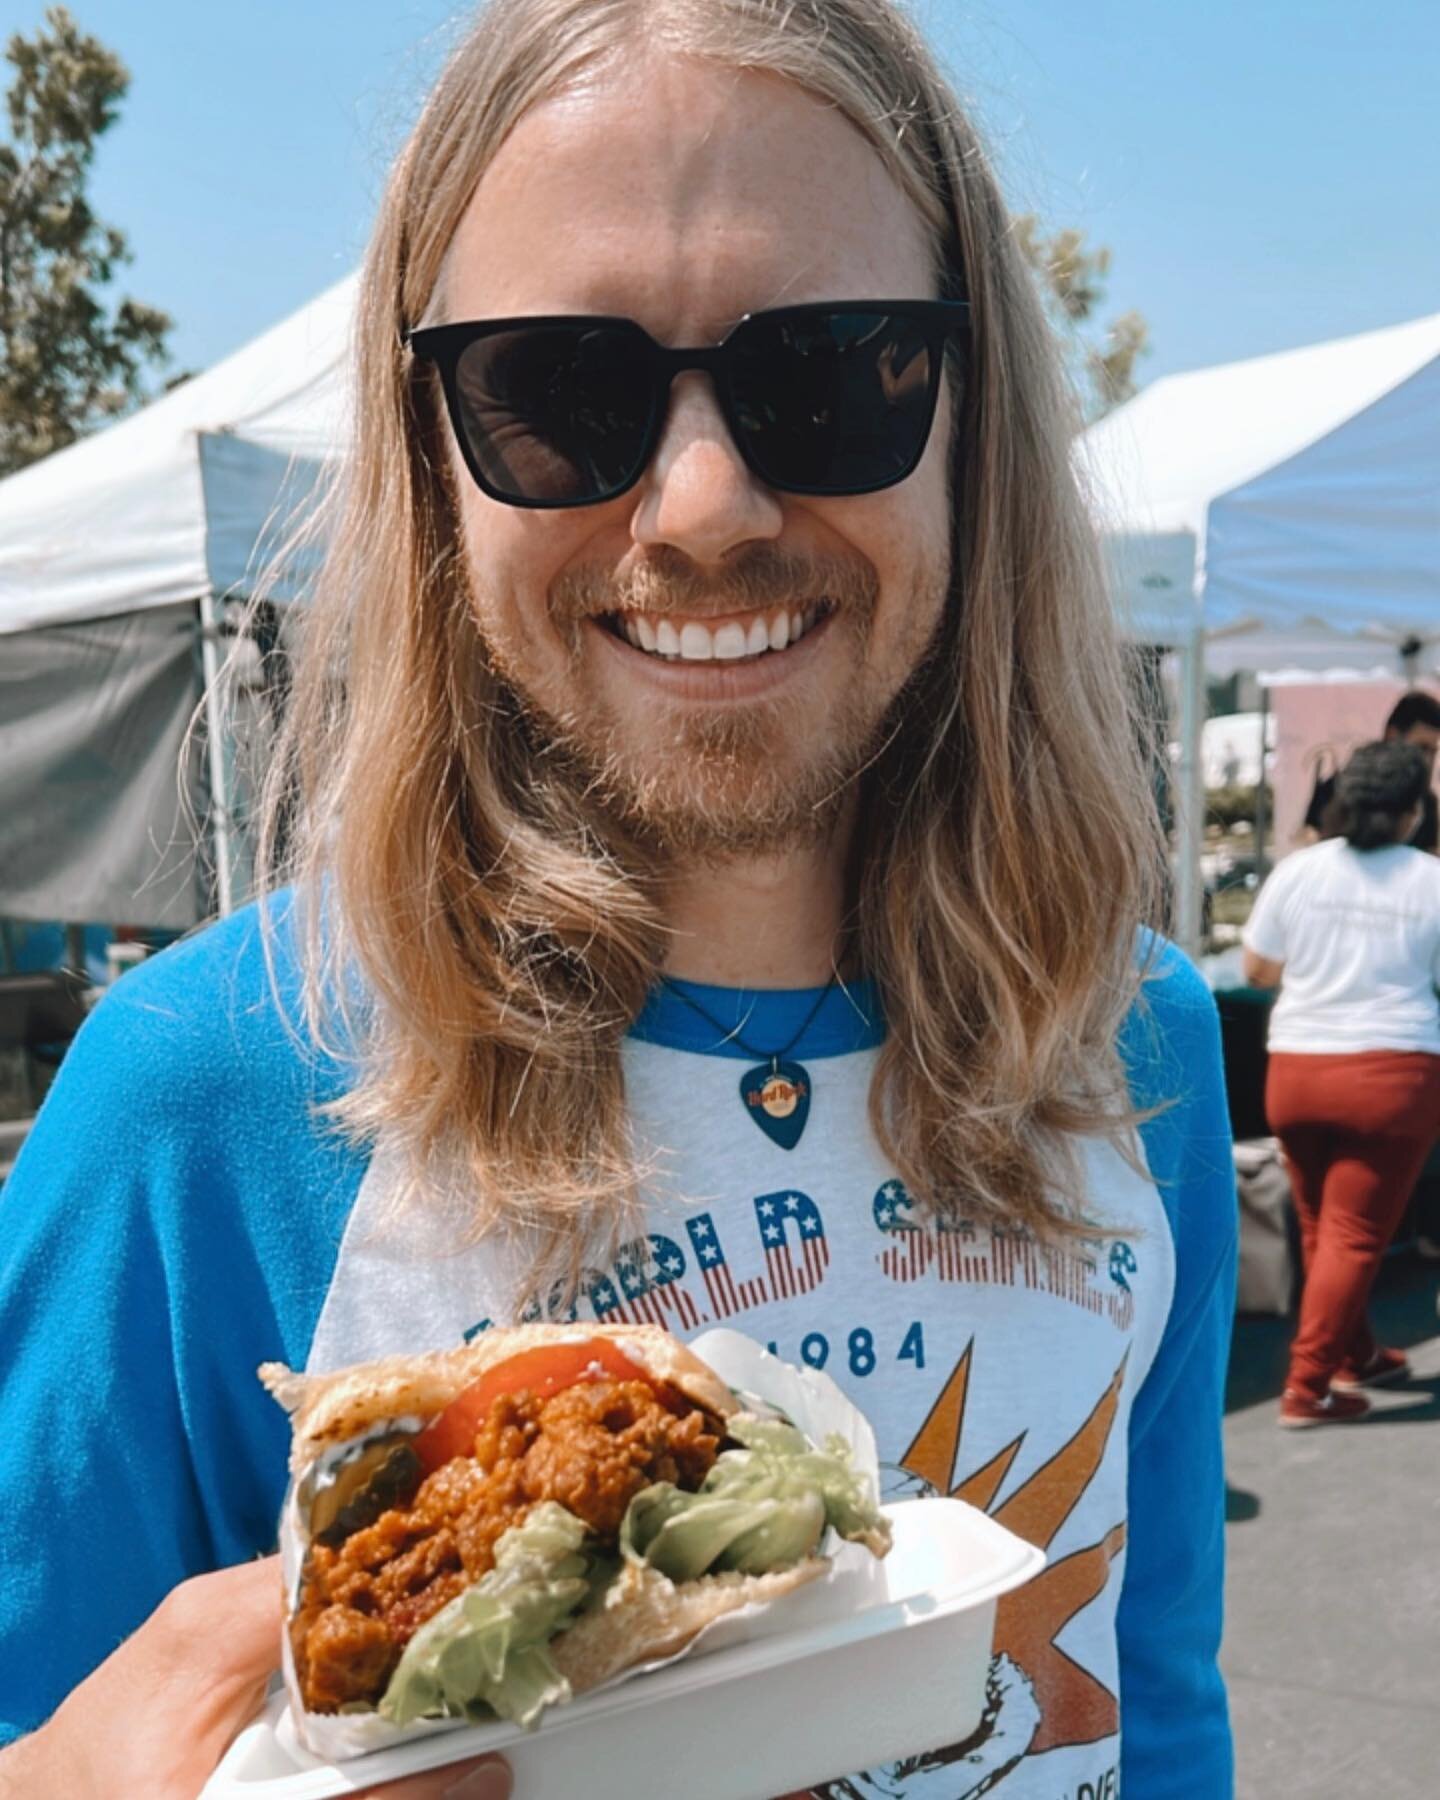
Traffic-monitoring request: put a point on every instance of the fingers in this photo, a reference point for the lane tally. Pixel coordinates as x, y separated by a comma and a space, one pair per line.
487, 1778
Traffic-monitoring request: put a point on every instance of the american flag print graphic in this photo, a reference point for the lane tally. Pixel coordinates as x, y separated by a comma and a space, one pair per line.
650, 1292
958, 1252
796, 1254
910, 1251
726, 1295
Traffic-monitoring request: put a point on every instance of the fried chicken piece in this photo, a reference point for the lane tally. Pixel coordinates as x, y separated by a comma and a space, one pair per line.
601, 1442
348, 1656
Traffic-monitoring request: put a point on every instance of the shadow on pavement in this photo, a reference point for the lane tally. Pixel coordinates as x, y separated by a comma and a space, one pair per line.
1402, 1310
1416, 1403
1240, 1506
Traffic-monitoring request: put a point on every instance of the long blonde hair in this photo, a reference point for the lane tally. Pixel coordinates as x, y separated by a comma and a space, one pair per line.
481, 941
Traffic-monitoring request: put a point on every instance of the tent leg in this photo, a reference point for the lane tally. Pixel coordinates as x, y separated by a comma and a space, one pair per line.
221, 819
1190, 796
1262, 792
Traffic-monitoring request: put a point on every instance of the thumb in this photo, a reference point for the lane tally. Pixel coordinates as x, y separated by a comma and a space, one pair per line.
250, 1597
224, 1630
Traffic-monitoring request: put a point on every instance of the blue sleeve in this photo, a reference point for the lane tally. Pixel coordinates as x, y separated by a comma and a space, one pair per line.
171, 1222
1175, 1742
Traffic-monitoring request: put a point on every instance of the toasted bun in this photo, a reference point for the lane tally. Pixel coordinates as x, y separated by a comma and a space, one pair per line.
331, 1409
646, 1617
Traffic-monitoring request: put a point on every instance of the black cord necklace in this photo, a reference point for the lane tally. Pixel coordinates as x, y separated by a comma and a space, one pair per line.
776, 1093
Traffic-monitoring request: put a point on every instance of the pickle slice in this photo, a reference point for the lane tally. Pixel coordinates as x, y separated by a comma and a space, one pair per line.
384, 1474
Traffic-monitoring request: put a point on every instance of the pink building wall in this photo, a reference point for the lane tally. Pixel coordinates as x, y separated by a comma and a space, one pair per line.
1319, 724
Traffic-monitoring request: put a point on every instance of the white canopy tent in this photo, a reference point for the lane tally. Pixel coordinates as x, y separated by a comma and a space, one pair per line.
174, 500
115, 556
1282, 512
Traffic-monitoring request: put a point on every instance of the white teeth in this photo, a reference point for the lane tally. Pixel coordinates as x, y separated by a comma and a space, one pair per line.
695, 641
730, 642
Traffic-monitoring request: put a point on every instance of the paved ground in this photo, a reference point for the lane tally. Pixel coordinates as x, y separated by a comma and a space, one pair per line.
1333, 1638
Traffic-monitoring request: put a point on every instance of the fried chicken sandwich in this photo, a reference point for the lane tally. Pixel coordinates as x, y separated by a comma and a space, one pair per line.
487, 1531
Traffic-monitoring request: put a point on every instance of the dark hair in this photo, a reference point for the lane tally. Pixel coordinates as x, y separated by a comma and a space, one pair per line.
1415, 708
1379, 785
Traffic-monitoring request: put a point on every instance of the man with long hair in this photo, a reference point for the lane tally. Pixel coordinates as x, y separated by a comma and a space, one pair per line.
715, 890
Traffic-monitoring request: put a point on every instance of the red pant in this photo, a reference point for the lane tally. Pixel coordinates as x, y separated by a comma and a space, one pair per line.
1355, 1131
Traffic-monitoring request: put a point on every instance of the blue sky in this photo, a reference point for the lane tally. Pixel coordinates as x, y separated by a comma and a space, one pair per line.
1265, 172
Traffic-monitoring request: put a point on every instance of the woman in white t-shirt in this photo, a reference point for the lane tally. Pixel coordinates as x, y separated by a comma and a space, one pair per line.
1350, 931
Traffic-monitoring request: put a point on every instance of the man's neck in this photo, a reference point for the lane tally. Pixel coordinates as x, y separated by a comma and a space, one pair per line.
758, 922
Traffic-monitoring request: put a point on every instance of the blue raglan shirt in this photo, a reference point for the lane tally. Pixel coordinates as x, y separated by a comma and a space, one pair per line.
183, 1211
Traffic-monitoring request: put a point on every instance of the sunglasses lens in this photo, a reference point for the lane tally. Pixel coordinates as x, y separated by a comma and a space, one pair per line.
556, 415
832, 402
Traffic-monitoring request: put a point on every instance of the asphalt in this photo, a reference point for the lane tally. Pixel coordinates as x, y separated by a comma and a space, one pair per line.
1332, 1641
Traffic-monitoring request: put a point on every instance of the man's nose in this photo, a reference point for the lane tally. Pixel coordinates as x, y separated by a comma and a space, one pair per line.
697, 495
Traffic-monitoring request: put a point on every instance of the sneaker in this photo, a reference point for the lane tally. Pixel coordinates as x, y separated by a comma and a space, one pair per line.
1298, 1411
1384, 1369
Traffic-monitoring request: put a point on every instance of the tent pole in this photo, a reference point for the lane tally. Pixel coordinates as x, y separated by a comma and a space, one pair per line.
221, 821
1190, 792
1262, 793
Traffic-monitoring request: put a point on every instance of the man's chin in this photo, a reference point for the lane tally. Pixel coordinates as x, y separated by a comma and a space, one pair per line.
723, 814
704, 787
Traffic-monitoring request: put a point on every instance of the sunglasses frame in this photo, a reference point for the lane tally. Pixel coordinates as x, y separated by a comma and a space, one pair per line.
444, 345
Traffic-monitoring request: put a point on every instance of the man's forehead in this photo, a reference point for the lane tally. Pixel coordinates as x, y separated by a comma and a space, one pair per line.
683, 194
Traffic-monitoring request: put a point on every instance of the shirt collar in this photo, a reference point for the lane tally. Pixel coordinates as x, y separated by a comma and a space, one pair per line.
847, 1019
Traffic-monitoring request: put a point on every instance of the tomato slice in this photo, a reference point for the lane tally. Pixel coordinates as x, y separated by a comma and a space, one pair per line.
545, 1370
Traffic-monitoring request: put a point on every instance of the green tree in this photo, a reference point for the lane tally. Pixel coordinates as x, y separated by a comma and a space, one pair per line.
68, 361
1073, 279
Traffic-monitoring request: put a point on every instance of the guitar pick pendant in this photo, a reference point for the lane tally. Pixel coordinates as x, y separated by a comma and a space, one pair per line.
777, 1097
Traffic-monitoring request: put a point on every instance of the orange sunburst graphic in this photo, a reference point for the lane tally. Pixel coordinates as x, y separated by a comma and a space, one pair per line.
1075, 1708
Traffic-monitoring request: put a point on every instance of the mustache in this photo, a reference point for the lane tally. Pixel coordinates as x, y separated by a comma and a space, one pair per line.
760, 577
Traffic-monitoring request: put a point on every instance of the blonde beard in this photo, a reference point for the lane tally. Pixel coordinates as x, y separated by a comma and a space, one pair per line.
726, 785
731, 787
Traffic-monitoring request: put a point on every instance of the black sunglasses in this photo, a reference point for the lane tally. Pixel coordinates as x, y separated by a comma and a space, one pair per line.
836, 397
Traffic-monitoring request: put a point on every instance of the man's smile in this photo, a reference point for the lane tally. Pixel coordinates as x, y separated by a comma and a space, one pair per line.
698, 660
730, 637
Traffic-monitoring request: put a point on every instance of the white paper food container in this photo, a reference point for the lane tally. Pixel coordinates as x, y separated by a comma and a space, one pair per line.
873, 1662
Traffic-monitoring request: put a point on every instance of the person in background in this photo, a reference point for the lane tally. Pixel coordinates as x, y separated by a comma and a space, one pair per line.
1415, 719
1349, 929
